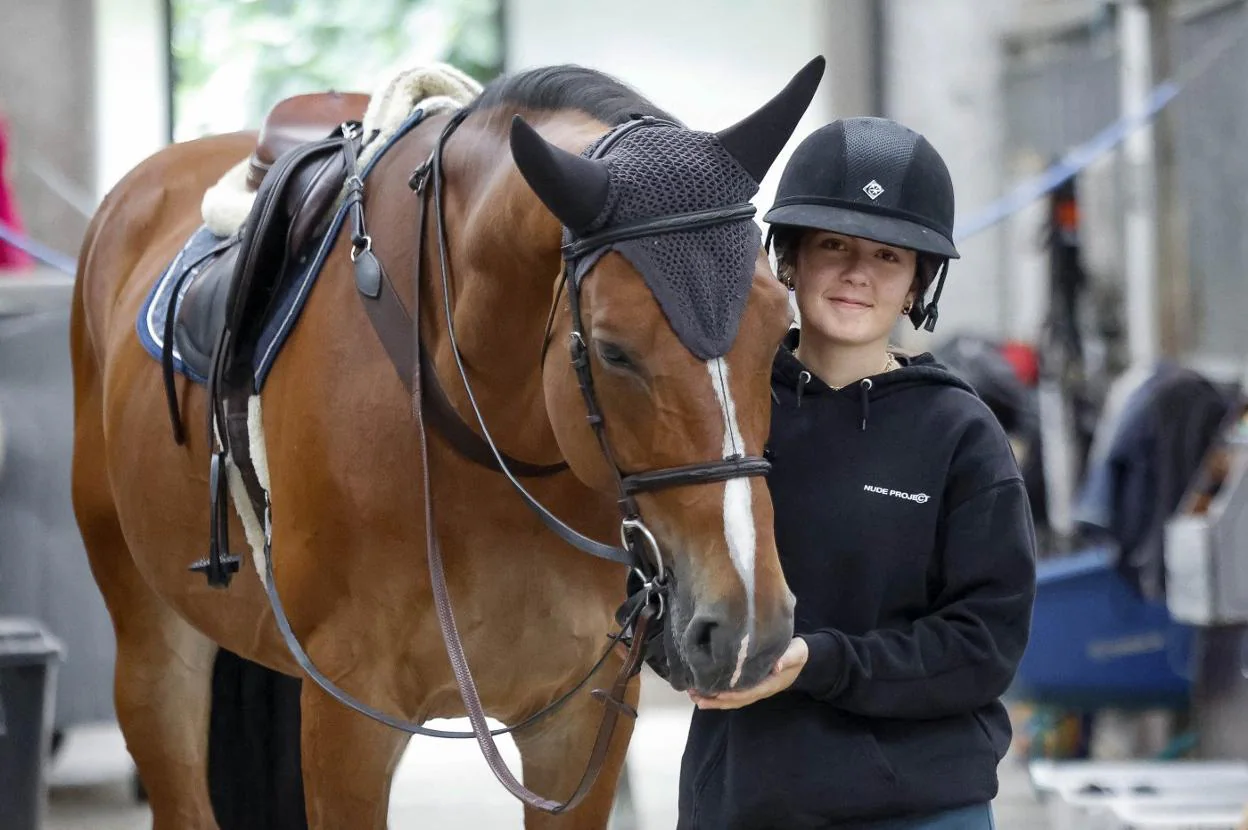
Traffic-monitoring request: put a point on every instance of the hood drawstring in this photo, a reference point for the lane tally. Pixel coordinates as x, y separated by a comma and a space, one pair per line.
864, 386
803, 378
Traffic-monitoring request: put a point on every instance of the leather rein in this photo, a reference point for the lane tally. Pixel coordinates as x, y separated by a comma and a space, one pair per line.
398, 329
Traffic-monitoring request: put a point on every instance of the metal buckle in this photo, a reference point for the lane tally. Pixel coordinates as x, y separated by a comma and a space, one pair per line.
357, 249
654, 586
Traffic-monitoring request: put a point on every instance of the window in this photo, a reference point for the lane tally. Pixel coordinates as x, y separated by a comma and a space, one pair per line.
231, 61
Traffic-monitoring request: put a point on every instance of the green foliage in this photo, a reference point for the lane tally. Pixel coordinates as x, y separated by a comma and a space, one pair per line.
234, 59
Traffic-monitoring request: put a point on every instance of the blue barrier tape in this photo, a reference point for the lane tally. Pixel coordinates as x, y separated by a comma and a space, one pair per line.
40, 252
1073, 162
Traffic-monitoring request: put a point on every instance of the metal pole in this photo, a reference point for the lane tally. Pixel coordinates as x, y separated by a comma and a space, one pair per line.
1140, 233
1173, 274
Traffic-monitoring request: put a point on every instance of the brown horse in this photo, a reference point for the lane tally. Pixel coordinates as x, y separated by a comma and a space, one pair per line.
342, 458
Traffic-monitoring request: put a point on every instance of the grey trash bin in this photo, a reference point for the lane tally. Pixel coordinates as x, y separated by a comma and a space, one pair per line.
29, 657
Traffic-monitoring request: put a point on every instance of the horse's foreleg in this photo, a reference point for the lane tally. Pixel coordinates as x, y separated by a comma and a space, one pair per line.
555, 753
348, 763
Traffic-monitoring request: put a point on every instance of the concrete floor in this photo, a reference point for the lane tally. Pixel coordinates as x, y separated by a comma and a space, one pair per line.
446, 784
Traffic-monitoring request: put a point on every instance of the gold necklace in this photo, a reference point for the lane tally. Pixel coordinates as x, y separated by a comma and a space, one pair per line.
890, 363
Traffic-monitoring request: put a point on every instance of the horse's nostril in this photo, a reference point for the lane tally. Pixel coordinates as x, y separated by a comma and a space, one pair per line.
701, 634
706, 641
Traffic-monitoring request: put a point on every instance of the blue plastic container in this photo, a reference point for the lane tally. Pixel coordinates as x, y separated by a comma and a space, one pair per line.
1095, 643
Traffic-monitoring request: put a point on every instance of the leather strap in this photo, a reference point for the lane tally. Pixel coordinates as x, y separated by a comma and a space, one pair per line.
229, 411
166, 348
614, 700
672, 223
695, 474
394, 327
236, 428
612, 553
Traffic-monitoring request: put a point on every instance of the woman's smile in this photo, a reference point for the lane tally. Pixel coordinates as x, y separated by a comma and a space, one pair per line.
850, 303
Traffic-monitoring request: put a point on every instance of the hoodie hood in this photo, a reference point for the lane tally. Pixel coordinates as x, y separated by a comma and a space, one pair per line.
790, 374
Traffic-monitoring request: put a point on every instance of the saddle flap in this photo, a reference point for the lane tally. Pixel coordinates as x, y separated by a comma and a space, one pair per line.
313, 191
201, 312
290, 205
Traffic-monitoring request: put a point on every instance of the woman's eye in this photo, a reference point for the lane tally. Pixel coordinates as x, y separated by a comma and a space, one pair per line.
832, 244
613, 355
890, 256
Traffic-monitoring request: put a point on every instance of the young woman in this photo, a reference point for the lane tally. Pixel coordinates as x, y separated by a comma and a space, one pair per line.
901, 519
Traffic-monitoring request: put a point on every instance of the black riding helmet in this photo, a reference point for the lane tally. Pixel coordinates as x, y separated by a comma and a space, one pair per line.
876, 179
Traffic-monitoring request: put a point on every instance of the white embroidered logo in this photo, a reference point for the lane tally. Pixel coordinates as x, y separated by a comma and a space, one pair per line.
873, 189
917, 498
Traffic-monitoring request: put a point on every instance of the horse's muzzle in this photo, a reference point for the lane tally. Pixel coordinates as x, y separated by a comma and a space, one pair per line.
723, 651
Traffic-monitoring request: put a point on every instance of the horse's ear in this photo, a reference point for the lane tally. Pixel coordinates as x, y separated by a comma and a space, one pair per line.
573, 187
757, 139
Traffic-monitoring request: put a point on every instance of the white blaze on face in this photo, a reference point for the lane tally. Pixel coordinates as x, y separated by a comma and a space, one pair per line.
738, 504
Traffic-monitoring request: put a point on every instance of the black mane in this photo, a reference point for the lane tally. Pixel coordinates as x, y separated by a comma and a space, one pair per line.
568, 86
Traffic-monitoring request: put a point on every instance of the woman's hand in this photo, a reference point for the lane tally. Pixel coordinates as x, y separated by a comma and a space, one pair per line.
782, 676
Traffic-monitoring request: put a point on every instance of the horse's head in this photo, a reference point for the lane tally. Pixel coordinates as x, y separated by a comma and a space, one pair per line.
670, 298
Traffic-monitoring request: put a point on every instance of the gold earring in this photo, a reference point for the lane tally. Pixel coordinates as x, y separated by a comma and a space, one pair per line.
788, 283
906, 309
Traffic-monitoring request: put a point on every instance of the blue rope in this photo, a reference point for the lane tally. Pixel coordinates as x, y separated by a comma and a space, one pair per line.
40, 252
1073, 162
1081, 156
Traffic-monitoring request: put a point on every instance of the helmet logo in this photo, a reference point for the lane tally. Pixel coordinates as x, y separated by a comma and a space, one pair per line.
873, 189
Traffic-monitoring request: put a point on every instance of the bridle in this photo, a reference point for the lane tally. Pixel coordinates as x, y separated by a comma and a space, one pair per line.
639, 550
649, 578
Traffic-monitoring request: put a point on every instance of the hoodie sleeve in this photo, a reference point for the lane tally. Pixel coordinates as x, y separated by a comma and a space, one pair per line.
964, 653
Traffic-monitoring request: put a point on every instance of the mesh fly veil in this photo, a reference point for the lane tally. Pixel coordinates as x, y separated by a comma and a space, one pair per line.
701, 278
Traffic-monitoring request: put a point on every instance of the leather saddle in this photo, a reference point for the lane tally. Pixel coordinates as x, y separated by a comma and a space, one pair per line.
297, 120
297, 169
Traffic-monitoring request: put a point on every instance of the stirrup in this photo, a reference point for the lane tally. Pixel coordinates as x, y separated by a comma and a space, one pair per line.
220, 566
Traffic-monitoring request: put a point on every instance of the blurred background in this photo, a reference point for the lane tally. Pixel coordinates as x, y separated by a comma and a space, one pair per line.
1097, 148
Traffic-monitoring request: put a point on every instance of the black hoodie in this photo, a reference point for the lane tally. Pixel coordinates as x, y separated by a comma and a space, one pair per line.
904, 531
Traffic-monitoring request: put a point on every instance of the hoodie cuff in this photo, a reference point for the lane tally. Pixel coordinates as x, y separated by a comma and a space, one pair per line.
824, 673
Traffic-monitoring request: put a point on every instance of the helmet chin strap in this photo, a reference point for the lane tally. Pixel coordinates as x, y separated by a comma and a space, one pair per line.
925, 314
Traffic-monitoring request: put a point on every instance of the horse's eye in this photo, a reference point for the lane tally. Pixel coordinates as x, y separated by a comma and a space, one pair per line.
613, 355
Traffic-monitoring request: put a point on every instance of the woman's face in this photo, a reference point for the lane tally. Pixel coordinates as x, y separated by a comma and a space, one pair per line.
851, 290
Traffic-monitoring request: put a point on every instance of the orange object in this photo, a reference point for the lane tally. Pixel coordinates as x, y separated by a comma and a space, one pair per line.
1067, 215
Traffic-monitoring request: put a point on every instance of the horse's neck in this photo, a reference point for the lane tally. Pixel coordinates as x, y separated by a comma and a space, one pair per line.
504, 251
